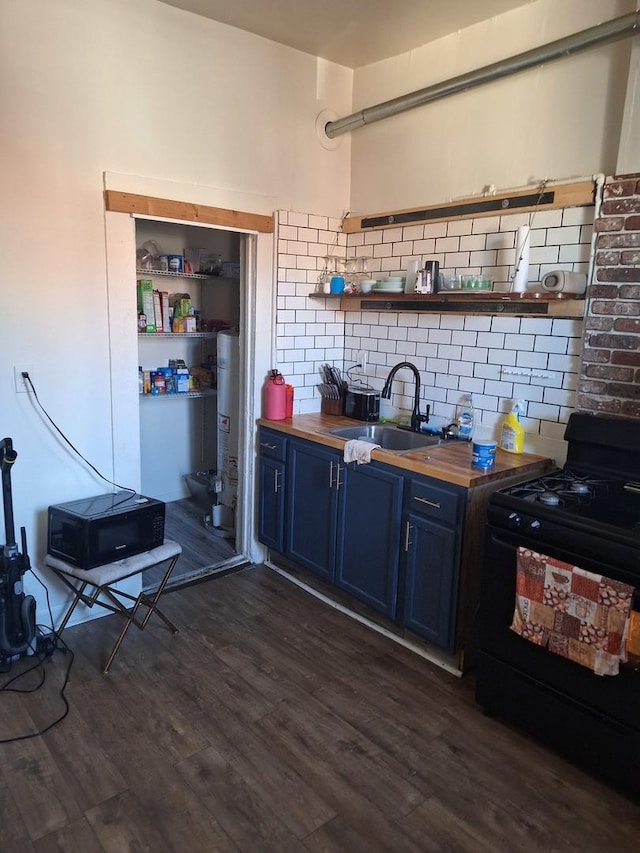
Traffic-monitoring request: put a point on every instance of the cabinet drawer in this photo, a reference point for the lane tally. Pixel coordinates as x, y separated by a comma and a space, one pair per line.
435, 502
272, 444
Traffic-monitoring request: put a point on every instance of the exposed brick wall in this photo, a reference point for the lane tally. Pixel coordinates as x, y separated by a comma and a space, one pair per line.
610, 374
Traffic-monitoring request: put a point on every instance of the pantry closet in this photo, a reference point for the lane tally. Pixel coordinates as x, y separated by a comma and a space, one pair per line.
179, 431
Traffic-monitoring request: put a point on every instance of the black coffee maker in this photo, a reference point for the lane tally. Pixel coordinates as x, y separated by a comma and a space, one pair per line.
17, 610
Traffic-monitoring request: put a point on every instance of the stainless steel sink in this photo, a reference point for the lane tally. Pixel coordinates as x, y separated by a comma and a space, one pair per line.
388, 437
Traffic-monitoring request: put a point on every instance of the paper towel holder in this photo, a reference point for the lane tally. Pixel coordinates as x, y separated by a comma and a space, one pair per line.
563, 281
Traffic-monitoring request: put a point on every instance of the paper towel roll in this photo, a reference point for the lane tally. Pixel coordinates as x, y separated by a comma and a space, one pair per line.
521, 270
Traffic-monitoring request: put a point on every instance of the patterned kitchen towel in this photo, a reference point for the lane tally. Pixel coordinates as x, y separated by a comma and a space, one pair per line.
577, 614
358, 451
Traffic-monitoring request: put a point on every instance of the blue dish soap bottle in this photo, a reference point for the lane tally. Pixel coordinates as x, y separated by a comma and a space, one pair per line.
466, 419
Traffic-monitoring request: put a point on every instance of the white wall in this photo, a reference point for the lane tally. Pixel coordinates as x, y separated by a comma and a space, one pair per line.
160, 98
557, 121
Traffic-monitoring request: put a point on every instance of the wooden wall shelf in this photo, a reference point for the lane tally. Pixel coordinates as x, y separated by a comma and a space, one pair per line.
515, 304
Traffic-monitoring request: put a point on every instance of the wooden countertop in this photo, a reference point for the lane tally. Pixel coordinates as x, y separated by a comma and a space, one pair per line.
449, 461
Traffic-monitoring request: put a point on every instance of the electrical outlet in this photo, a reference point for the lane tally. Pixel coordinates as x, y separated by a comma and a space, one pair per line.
361, 359
20, 382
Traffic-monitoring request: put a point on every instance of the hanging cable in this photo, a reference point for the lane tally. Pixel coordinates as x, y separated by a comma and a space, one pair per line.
27, 379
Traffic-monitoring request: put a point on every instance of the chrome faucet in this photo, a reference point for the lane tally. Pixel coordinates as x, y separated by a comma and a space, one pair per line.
416, 417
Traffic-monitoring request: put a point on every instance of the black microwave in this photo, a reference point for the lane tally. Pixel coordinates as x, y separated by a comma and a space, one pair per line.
94, 531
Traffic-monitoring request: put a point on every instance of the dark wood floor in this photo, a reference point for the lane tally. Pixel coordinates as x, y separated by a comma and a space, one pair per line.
202, 551
274, 723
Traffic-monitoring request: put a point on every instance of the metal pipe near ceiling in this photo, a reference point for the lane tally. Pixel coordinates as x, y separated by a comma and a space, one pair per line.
610, 31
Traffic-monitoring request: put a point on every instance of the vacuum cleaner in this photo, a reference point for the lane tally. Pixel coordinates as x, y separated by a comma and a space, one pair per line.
17, 610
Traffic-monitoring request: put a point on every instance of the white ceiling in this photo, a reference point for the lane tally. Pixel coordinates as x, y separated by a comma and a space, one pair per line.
350, 32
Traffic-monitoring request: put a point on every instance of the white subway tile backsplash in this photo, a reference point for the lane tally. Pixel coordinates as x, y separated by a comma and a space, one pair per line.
531, 359
547, 218
543, 255
527, 392
563, 235
486, 371
455, 353
492, 340
505, 324
543, 411
473, 243
309, 235
440, 336
519, 342
301, 219
464, 338
586, 233
535, 325
485, 225
435, 229
574, 346
429, 321
450, 381
382, 250
456, 260
547, 343
574, 254
408, 319
501, 356
479, 324
425, 349
461, 368
538, 237
424, 247
475, 354
552, 430
560, 397
398, 333
454, 322
485, 258
458, 227
498, 389
406, 348
447, 244
450, 351
402, 249
564, 363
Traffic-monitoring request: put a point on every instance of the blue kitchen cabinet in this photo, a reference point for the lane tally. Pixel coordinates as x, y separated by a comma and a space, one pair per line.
272, 447
314, 477
368, 553
432, 529
342, 522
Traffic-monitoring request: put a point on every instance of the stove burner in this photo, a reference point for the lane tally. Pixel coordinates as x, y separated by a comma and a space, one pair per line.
549, 498
579, 488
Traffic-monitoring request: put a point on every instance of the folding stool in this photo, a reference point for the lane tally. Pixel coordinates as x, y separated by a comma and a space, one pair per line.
95, 586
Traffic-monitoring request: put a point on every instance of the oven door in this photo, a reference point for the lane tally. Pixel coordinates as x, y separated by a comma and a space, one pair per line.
616, 697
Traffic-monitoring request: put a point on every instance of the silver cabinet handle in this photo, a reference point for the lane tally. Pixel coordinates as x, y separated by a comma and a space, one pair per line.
339, 482
276, 481
407, 533
434, 504
267, 446
331, 475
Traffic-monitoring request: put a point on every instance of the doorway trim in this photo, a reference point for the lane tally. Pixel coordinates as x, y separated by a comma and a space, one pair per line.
146, 206
257, 255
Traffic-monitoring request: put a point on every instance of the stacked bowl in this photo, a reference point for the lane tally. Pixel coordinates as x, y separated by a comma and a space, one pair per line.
390, 284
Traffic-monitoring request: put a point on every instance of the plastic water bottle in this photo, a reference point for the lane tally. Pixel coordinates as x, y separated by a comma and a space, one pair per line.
465, 419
